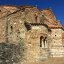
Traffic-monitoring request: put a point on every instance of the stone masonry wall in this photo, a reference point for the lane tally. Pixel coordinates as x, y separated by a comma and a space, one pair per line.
36, 52
56, 49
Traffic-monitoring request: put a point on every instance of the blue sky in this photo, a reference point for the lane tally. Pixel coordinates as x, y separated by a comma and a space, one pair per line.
57, 6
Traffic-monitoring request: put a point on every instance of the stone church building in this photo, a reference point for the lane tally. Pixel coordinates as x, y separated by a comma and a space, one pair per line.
30, 36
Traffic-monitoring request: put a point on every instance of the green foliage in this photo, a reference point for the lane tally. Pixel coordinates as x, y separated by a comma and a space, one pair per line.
11, 53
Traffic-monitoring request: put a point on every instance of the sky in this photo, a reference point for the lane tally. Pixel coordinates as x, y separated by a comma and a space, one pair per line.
57, 6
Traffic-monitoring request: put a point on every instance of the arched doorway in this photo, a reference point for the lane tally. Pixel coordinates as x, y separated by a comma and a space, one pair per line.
43, 42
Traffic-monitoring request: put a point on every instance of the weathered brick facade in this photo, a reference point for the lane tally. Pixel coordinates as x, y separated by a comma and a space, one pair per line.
30, 36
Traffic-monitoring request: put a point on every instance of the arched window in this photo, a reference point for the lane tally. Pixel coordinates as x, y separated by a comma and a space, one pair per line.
36, 17
43, 42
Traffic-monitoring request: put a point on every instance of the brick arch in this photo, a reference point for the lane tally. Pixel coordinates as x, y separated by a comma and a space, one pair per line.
43, 34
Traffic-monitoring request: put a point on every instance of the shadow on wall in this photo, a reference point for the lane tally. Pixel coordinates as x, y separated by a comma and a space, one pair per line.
11, 53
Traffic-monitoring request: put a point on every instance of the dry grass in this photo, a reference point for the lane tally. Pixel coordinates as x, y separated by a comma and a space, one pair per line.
53, 61
48, 61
